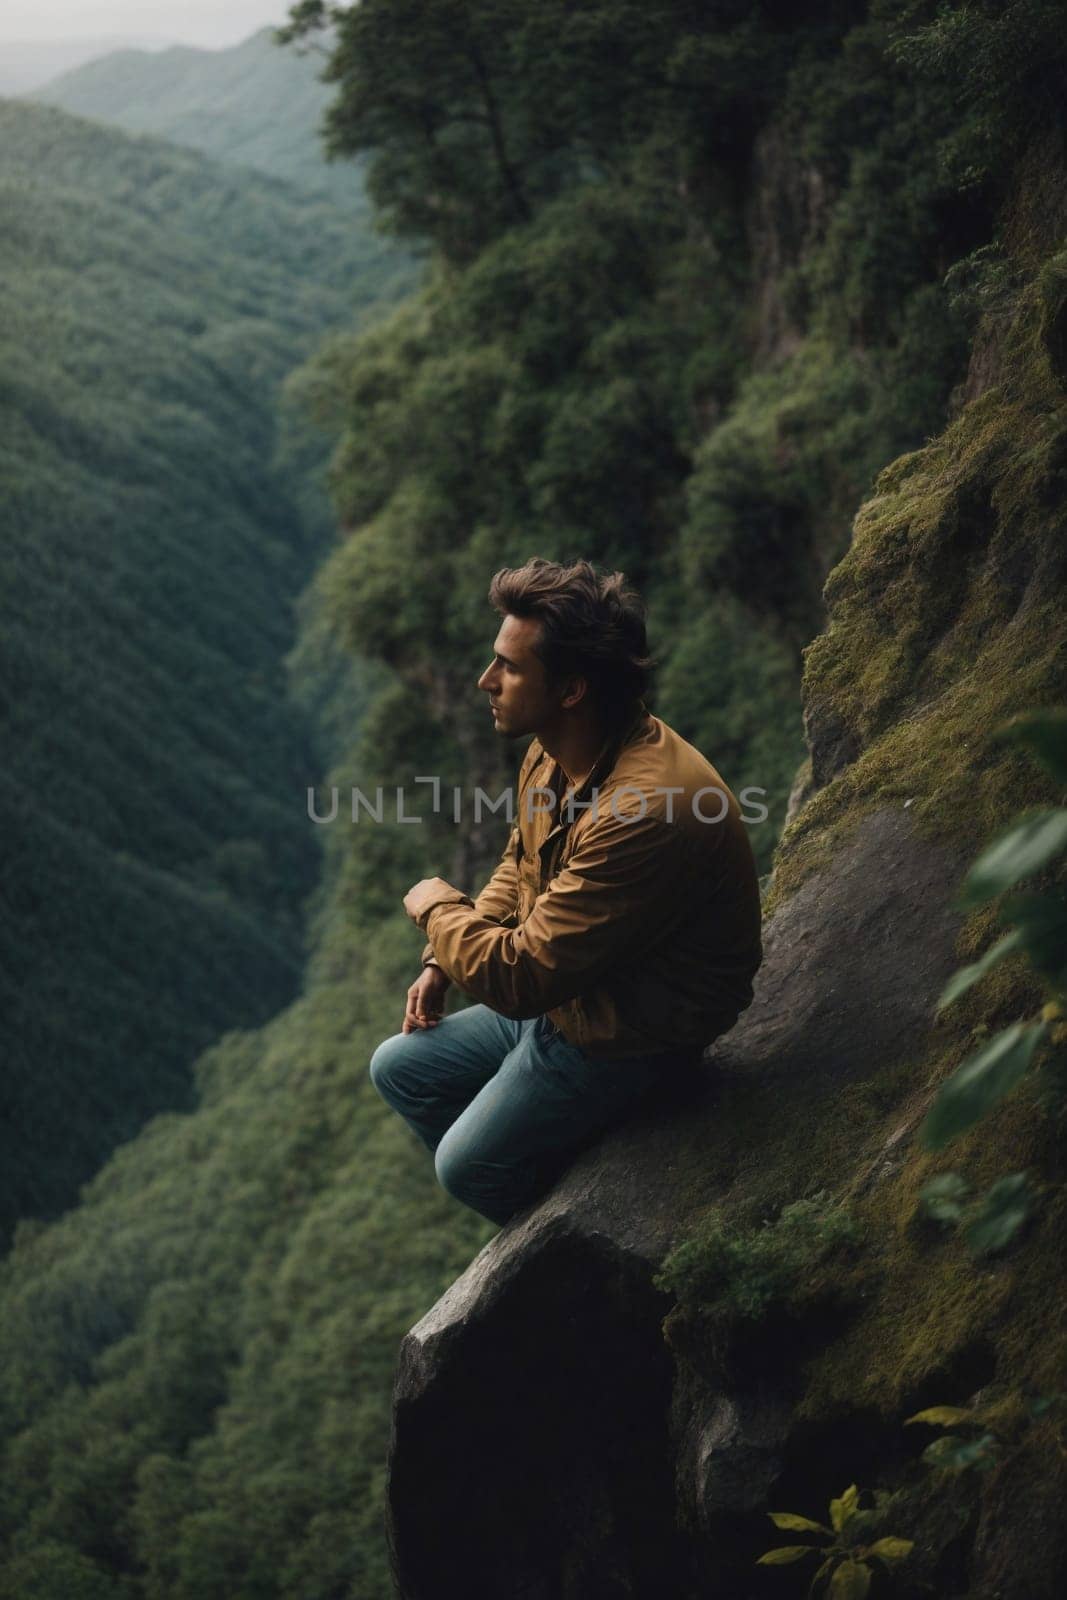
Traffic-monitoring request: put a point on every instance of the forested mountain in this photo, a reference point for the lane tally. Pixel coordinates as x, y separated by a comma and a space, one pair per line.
155, 847
250, 103
752, 300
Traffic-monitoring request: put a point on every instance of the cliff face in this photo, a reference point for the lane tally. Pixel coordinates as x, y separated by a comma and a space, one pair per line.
566, 1427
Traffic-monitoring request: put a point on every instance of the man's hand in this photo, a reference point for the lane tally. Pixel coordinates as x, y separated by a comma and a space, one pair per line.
426, 1000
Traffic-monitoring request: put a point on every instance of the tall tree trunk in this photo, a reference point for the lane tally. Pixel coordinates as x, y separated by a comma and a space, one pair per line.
508, 173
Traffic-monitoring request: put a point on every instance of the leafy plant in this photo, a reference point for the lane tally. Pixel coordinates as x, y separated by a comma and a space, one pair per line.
1004, 65
955, 1452
990, 1221
986, 1435
1038, 928
845, 1571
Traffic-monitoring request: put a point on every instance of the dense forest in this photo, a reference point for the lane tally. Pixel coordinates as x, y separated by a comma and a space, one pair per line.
762, 303
156, 854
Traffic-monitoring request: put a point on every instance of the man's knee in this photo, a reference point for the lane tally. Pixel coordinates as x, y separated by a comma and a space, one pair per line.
462, 1175
452, 1164
493, 1189
384, 1062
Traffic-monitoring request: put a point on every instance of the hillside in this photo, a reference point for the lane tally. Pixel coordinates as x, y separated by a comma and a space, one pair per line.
28, 64
252, 104
766, 305
155, 849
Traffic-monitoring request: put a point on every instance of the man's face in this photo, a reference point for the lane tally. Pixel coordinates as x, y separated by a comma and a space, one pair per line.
519, 693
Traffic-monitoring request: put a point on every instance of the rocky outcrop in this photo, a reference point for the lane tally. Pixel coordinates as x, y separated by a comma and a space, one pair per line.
546, 1437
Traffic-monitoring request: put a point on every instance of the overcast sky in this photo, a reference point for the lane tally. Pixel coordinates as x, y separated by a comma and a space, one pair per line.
204, 22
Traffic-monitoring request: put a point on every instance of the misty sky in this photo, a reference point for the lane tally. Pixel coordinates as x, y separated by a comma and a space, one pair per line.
203, 22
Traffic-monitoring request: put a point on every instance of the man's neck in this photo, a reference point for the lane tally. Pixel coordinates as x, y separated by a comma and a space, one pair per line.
576, 749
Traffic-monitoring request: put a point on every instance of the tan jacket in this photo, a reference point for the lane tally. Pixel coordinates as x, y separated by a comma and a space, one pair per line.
636, 929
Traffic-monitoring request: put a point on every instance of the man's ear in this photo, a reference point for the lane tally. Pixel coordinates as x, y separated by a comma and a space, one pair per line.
575, 691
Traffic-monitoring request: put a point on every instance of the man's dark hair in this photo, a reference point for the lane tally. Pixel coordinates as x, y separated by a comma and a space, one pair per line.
592, 626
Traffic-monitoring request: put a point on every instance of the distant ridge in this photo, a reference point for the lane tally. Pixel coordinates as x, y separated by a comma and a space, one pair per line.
27, 64
253, 103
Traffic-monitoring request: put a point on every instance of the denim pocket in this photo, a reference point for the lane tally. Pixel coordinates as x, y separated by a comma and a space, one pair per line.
557, 1045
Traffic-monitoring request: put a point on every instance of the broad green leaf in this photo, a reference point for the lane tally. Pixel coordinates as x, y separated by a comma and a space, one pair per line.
785, 1554
967, 977
891, 1549
1041, 923
1022, 851
943, 1452
955, 1454
983, 1079
820, 1575
795, 1524
850, 1581
859, 1527
841, 1510
1045, 733
1005, 1207
942, 1416
944, 1196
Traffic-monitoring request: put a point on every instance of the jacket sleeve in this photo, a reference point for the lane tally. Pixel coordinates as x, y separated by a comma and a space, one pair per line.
627, 884
500, 897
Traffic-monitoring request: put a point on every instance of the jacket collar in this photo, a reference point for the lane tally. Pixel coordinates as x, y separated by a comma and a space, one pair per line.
610, 751
615, 742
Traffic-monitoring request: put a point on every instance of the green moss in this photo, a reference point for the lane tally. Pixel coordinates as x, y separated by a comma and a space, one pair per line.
911, 1305
946, 617
748, 1270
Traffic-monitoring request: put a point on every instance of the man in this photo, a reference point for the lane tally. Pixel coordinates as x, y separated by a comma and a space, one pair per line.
619, 933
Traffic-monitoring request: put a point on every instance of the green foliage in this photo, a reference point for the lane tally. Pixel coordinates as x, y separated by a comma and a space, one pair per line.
528, 404
475, 115
1003, 1210
983, 1079
744, 1273
989, 1223
847, 1551
751, 725
198, 1359
152, 804
1028, 847
1017, 854
867, 124
572, 382
993, 1220
55, 1569
575, 388
773, 486
991, 1432
1004, 63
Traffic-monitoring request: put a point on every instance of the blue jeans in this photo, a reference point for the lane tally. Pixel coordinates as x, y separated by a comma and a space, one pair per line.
504, 1105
